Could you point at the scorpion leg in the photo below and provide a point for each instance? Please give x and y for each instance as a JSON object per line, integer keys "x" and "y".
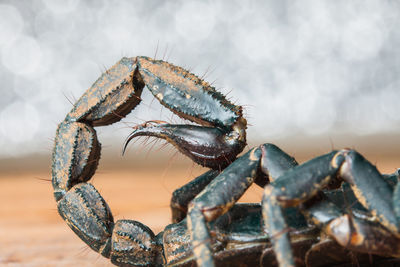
{"x": 370, "y": 188}
{"x": 274, "y": 163}
{"x": 304, "y": 181}
{"x": 292, "y": 188}
{"x": 362, "y": 234}
{"x": 271, "y": 167}
{"x": 217, "y": 198}
{"x": 259, "y": 164}
{"x": 183, "y": 195}
{"x": 356, "y": 231}
{"x": 396, "y": 193}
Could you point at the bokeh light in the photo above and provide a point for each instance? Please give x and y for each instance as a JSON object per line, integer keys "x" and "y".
{"x": 11, "y": 24}
{"x": 195, "y": 20}
{"x": 23, "y": 56}
{"x": 19, "y": 122}
{"x": 311, "y": 68}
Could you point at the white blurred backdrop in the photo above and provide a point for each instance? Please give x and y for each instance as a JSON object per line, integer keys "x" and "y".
{"x": 311, "y": 68}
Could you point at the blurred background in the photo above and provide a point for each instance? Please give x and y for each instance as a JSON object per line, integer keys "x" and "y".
{"x": 312, "y": 76}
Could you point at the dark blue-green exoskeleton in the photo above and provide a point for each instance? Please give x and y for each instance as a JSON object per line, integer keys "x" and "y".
{"x": 305, "y": 212}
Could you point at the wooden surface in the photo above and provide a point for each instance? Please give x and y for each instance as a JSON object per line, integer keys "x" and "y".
{"x": 33, "y": 234}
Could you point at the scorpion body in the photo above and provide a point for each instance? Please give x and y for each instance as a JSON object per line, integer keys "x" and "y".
{"x": 299, "y": 220}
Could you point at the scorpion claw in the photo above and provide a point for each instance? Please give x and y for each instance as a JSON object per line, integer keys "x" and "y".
{"x": 207, "y": 146}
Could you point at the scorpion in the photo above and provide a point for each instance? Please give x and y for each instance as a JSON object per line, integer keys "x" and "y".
{"x": 303, "y": 215}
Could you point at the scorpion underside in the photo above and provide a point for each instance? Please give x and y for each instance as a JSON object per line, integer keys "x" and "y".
{"x": 303, "y": 219}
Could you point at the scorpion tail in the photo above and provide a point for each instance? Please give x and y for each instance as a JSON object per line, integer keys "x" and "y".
{"x": 126, "y": 242}
{"x": 133, "y": 244}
